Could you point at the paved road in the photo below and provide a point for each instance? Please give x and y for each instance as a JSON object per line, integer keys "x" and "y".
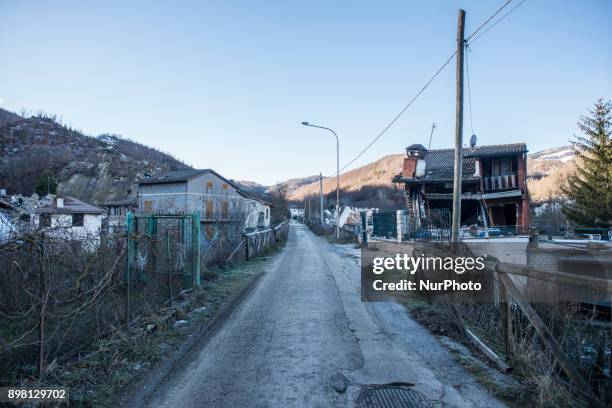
{"x": 304, "y": 323}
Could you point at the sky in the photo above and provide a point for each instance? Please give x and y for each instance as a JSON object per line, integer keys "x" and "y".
{"x": 226, "y": 84}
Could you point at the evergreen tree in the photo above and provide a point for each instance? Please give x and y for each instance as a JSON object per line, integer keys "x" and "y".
{"x": 46, "y": 184}
{"x": 590, "y": 188}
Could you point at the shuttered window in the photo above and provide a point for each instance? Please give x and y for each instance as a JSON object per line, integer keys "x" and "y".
{"x": 224, "y": 209}
{"x": 209, "y": 209}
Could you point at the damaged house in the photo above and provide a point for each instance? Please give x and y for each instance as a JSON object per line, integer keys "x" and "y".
{"x": 493, "y": 192}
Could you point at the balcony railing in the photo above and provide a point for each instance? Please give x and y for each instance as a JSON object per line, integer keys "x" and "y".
{"x": 501, "y": 182}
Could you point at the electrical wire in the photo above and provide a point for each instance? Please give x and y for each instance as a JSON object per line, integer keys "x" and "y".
{"x": 480, "y": 27}
{"x": 497, "y": 22}
{"x": 414, "y": 98}
{"x": 467, "y": 41}
{"x": 467, "y": 71}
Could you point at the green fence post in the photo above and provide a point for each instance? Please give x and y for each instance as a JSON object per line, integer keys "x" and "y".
{"x": 129, "y": 221}
{"x": 195, "y": 242}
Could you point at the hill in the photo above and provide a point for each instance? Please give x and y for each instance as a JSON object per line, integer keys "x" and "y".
{"x": 292, "y": 184}
{"x": 547, "y": 171}
{"x": 367, "y": 185}
{"x": 7, "y": 117}
{"x": 93, "y": 169}
{"x": 371, "y": 184}
{"x": 251, "y": 187}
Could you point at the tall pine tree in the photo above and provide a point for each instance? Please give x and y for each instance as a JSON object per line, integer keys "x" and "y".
{"x": 590, "y": 188}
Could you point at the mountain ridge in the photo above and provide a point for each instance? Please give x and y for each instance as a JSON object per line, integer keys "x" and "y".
{"x": 107, "y": 167}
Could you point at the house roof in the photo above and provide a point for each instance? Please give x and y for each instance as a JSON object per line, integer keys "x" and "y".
{"x": 416, "y": 146}
{"x": 495, "y": 150}
{"x": 130, "y": 201}
{"x": 174, "y": 176}
{"x": 439, "y": 164}
{"x": 180, "y": 176}
{"x": 261, "y": 201}
{"x": 72, "y": 206}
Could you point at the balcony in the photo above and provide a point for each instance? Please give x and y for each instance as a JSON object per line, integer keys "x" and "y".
{"x": 501, "y": 182}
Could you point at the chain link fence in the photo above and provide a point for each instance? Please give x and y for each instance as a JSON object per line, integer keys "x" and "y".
{"x": 61, "y": 292}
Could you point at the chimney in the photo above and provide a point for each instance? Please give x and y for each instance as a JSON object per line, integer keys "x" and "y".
{"x": 409, "y": 167}
{"x": 60, "y": 202}
{"x": 414, "y": 163}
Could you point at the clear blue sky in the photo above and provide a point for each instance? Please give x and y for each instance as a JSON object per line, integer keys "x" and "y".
{"x": 226, "y": 84}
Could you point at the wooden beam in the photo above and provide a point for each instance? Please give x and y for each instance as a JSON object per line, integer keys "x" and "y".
{"x": 549, "y": 275}
{"x": 548, "y": 339}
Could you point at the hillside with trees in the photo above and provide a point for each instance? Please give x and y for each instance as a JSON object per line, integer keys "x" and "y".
{"x": 39, "y": 150}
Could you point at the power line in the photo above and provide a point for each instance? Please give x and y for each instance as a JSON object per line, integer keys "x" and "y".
{"x": 467, "y": 71}
{"x": 496, "y": 22}
{"x": 466, "y": 41}
{"x": 401, "y": 112}
{"x": 487, "y": 21}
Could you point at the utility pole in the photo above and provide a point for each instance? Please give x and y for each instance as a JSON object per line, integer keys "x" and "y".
{"x": 457, "y": 177}
{"x": 309, "y": 213}
{"x": 337, "y": 175}
{"x": 321, "y": 196}
{"x": 337, "y": 187}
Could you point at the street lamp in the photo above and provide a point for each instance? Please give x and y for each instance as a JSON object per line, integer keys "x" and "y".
{"x": 337, "y": 176}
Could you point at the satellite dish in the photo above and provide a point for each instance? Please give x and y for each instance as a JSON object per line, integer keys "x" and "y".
{"x": 473, "y": 141}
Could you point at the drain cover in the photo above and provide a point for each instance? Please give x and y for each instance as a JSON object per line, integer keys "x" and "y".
{"x": 392, "y": 397}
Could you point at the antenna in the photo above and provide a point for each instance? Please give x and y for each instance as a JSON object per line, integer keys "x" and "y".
{"x": 473, "y": 141}
{"x": 433, "y": 126}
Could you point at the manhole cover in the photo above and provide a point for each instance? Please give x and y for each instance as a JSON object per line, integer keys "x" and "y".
{"x": 392, "y": 397}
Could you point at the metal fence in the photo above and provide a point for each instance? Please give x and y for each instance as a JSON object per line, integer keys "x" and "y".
{"x": 60, "y": 293}
{"x": 384, "y": 224}
{"x": 401, "y": 225}
{"x": 162, "y": 259}
{"x": 435, "y": 227}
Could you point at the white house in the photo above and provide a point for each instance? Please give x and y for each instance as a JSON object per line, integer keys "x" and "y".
{"x": 296, "y": 212}
{"x": 7, "y": 224}
{"x": 258, "y": 215}
{"x": 68, "y": 216}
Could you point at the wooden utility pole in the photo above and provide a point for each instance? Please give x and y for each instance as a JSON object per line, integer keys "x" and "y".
{"x": 457, "y": 177}
{"x": 321, "y": 196}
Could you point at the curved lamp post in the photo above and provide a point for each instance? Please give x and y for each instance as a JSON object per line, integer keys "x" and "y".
{"x": 337, "y": 176}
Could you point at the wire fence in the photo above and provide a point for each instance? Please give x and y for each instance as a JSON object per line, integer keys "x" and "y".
{"x": 61, "y": 292}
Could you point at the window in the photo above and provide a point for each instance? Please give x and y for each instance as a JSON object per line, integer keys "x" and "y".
{"x": 209, "y": 209}
{"x": 224, "y": 187}
{"x": 210, "y": 232}
{"x": 148, "y": 206}
{"x": 44, "y": 220}
{"x": 267, "y": 213}
{"x": 78, "y": 220}
{"x": 225, "y": 209}
{"x": 209, "y": 186}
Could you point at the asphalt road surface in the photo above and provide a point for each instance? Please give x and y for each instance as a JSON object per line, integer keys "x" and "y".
{"x": 303, "y": 324}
